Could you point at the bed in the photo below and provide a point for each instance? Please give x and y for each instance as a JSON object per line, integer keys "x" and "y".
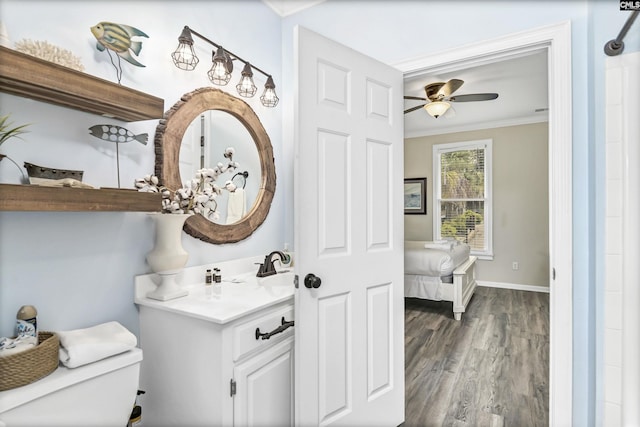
{"x": 440, "y": 271}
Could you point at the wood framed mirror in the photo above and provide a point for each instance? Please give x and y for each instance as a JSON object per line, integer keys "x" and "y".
{"x": 168, "y": 139}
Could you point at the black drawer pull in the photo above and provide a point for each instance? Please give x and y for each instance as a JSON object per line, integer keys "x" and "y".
{"x": 284, "y": 326}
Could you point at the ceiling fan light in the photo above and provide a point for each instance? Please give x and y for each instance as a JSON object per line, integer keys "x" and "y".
{"x": 437, "y": 108}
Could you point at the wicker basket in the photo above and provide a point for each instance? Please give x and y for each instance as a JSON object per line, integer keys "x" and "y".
{"x": 30, "y": 365}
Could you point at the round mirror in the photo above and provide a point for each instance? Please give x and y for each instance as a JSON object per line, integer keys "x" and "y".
{"x": 203, "y": 146}
{"x": 168, "y": 141}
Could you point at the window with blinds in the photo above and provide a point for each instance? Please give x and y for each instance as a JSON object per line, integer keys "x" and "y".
{"x": 462, "y": 195}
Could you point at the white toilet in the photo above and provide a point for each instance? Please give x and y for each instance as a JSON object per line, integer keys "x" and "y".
{"x": 98, "y": 394}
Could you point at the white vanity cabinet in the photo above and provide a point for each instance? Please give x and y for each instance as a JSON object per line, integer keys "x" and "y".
{"x": 203, "y": 365}
{"x": 264, "y": 388}
{"x": 197, "y": 372}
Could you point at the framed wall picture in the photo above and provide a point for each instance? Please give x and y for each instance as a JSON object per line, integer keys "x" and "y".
{"x": 415, "y": 196}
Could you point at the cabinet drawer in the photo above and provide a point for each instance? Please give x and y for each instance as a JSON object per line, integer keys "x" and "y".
{"x": 244, "y": 334}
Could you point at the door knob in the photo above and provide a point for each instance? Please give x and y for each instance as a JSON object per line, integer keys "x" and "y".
{"x": 312, "y": 281}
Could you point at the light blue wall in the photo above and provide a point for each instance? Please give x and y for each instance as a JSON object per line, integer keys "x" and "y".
{"x": 78, "y": 268}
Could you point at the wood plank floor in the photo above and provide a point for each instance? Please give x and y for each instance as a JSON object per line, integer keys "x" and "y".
{"x": 489, "y": 369}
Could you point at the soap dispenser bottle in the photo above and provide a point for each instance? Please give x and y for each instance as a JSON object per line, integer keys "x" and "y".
{"x": 217, "y": 283}
{"x": 208, "y": 283}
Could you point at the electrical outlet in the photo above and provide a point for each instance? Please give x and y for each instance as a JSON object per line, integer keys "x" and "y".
{"x": 515, "y": 265}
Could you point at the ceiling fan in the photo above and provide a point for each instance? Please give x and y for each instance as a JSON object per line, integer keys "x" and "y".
{"x": 439, "y": 96}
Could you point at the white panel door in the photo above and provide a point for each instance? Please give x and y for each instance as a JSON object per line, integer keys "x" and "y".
{"x": 349, "y": 234}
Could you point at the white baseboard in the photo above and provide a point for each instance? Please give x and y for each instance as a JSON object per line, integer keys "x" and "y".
{"x": 513, "y": 286}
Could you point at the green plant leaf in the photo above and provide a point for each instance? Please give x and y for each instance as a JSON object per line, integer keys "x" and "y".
{"x": 7, "y": 131}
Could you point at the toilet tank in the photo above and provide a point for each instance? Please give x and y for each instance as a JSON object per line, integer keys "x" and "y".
{"x": 98, "y": 394}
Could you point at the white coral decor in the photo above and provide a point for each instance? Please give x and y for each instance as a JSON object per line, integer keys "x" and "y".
{"x": 49, "y": 52}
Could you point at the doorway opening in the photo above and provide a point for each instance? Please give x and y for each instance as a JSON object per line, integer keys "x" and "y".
{"x": 556, "y": 40}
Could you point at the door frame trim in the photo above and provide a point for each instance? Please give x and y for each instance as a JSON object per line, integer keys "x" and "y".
{"x": 556, "y": 39}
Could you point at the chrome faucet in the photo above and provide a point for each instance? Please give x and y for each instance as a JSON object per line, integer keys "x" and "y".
{"x": 267, "y": 268}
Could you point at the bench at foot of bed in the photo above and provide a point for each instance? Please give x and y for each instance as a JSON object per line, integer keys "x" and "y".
{"x": 464, "y": 284}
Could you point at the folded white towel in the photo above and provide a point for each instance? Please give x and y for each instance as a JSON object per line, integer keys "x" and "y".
{"x": 236, "y": 207}
{"x": 81, "y": 346}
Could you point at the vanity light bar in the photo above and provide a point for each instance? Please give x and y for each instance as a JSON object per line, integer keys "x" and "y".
{"x": 185, "y": 58}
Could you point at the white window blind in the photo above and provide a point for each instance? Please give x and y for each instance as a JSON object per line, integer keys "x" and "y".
{"x": 462, "y": 196}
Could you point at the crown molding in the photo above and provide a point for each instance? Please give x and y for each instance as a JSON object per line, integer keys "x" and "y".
{"x": 538, "y": 118}
{"x": 289, "y": 7}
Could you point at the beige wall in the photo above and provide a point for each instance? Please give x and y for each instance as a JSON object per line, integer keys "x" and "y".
{"x": 520, "y": 206}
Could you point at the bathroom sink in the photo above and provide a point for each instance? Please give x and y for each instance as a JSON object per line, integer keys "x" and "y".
{"x": 240, "y": 290}
{"x": 284, "y": 278}
{"x": 239, "y": 293}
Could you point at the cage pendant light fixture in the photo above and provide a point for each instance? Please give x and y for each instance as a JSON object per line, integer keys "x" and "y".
{"x": 246, "y": 87}
{"x": 269, "y": 97}
{"x": 220, "y": 72}
{"x": 185, "y": 58}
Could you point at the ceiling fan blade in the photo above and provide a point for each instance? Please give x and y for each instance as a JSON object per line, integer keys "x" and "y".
{"x": 414, "y": 108}
{"x": 416, "y": 98}
{"x": 432, "y": 89}
{"x": 449, "y": 87}
{"x": 473, "y": 97}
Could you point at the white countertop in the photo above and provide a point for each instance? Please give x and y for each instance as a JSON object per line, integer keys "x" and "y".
{"x": 239, "y": 293}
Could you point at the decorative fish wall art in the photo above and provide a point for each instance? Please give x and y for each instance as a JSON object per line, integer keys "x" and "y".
{"x": 117, "y": 38}
{"x": 117, "y": 134}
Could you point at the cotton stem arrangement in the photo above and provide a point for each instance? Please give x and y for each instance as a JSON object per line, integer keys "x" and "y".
{"x": 197, "y": 195}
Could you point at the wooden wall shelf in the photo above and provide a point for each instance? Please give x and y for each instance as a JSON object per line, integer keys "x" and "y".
{"x": 30, "y": 77}
{"x": 34, "y": 78}
{"x": 65, "y": 199}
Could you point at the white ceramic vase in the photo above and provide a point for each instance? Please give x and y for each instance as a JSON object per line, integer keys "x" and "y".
{"x": 168, "y": 257}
